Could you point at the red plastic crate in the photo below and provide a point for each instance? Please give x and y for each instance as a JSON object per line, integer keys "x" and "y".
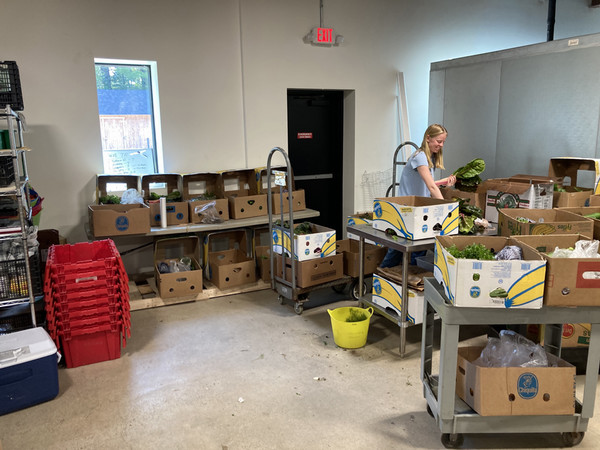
{"x": 53, "y": 318}
{"x": 96, "y": 256}
{"x": 72, "y": 255}
{"x": 92, "y": 345}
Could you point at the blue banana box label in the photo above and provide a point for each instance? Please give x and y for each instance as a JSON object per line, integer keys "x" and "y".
{"x": 489, "y": 284}
{"x": 388, "y": 296}
{"x": 415, "y": 217}
{"x": 317, "y": 244}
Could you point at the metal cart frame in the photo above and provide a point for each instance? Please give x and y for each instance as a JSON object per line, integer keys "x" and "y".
{"x": 395, "y": 164}
{"x": 288, "y": 289}
{"x": 453, "y": 416}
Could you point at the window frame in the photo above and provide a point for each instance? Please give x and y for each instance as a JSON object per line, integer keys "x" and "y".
{"x": 156, "y": 121}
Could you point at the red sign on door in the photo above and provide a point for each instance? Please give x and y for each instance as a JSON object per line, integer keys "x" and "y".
{"x": 305, "y": 135}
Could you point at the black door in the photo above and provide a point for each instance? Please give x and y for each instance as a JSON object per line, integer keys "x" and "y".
{"x": 315, "y": 138}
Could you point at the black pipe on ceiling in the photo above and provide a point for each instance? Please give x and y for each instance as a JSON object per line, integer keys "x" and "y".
{"x": 551, "y": 17}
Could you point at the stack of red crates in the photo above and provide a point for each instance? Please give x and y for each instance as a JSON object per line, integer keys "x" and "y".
{"x": 86, "y": 293}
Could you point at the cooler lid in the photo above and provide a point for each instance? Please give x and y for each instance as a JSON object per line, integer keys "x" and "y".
{"x": 24, "y": 346}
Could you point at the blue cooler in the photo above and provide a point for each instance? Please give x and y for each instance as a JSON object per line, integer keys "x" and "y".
{"x": 28, "y": 369}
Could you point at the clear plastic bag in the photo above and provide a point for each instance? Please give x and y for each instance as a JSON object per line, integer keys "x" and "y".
{"x": 132, "y": 196}
{"x": 583, "y": 249}
{"x": 208, "y": 212}
{"x": 512, "y": 350}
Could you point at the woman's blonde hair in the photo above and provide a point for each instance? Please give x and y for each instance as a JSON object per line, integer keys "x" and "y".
{"x": 433, "y": 130}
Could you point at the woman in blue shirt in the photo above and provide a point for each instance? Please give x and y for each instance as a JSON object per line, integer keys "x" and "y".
{"x": 417, "y": 177}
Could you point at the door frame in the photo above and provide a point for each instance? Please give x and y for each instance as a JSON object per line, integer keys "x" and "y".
{"x": 348, "y": 150}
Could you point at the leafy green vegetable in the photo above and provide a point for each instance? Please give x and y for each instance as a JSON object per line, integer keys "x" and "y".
{"x": 465, "y": 207}
{"x": 110, "y": 200}
{"x": 466, "y": 224}
{"x": 471, "y": 169}
{"x": 471, "y": 251}
{"x": 356, "y": 315}
{"x": 303, "y": 228}
{"x": 595, "y": 215}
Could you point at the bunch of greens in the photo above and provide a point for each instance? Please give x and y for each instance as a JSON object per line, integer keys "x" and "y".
{"x": 205, "y": 196}
{"x": 110, "y": 200}
{"x": 467, "y": 214}
{"x": 471, "y": 251}
{"x": 558, "y": 188}
{"x": 303, "y": 228}
{"x": 467, "y": 176}
{"x": 356, "y": 315}
{"x": 174, "y": 196}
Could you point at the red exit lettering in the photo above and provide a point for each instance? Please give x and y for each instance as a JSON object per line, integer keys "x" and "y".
{"x": 325, "y": 35}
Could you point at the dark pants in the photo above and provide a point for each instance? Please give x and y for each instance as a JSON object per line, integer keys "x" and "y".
{"x": 394, "y": 257}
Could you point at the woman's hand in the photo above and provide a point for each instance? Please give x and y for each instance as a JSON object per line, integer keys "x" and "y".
{"x": 448, "y": 181}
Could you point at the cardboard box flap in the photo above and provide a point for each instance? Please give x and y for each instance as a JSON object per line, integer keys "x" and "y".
{"x": 195, "y": 185}
{"x": 235, "y": 183}
{"x": 261, "y": 186}
{"x": 544, "y": 215}
{"x": 226, "y": 240}
{"x": 568, "y": 167}
{"x": 515, "y": 185}
{"x": 119, "y": 184}
{"x": 151, "y": 183}
{"x": 415, "y": 200}
{"x": 175, "y": 248}
{"x": 547, "y": 244}
{"x": 534, "y": 179}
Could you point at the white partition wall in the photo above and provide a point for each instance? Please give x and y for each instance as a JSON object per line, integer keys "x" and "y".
{"x": 520, "y": 107}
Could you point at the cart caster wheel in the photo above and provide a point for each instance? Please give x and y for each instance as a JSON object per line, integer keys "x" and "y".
{"x": 354, "y": 290}
{"x": 298, "y": 308}
{"x": 452, "y": 440}
{"x": 572, "y": 439}
{"x": 429, "y": 411}
{"x": 281, "y": 299}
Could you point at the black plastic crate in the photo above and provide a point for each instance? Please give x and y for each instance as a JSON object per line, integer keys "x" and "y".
{"x": 13, "y": 278}
{"x": 7, "y": 171}
{"x": 10, "y": 86}
{"x": 18, "y": 317}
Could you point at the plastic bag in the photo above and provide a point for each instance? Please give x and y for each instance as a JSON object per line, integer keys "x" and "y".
{"x": 208, "y": 212}
{"x": 512, "y": 350}
{"x": 132, "y": 196}
{"x": 583, "y": 249}
{"x": 510, "y": 252}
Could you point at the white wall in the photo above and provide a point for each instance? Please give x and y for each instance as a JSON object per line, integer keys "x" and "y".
{"x": 224, "y": 68}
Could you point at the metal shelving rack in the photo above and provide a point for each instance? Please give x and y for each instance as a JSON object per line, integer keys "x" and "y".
{"x": 453, "y": 416}
{"x": 18, "y": 189}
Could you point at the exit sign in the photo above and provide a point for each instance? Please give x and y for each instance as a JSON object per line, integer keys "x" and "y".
{"x": 324, "y": 35}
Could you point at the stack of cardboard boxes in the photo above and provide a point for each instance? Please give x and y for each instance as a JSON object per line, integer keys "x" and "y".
{"x": 313, "y": 254}
{"x": 536, "y": 280}
{"x": 231, "y": 194}
{"x": 412, "y": 218}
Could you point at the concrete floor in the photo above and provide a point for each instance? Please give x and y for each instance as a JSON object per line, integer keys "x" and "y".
{"x": 244, "y": 372}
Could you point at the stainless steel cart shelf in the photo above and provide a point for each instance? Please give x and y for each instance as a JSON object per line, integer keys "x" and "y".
{"x": 453, "y": 416}
{"x": 403, "y": 245}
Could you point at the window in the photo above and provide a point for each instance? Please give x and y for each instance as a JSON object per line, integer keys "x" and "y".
{"x": 129, "y": 116}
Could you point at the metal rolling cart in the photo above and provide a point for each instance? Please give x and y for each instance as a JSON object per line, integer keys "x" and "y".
{"x": 403, "y": 245}
{"x": 288, "y": 289}
{"x": 453, "y": 416}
